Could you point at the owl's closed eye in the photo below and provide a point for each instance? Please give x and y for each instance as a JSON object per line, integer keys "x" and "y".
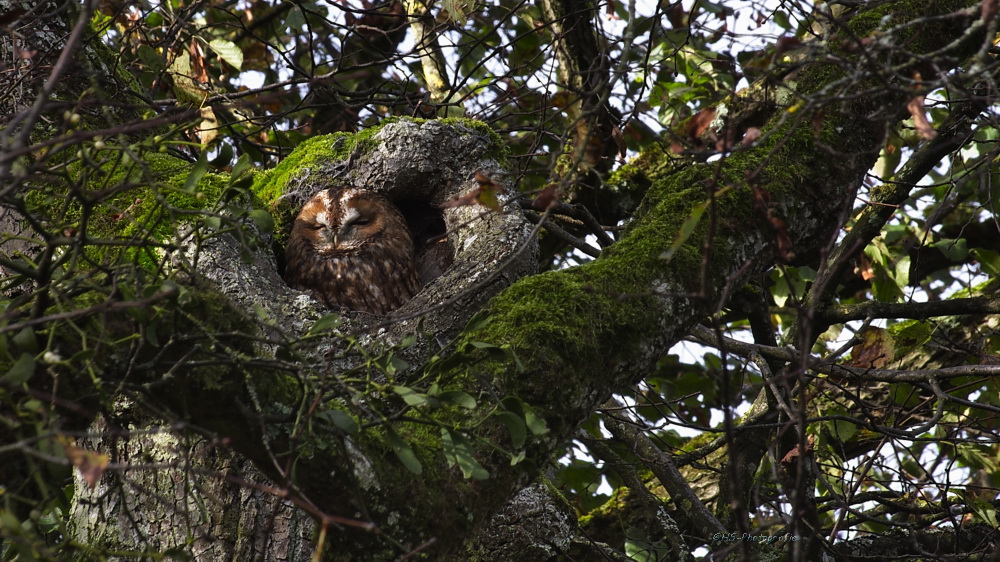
{"x": 351, "y": 248}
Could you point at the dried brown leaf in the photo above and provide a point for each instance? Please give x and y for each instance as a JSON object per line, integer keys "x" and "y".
{"x": 619, "y": 138}
{"x": 199, "y": 73}
{"x": 546, "y": 197}
{"x": 90, "y": 463}
{"x": 917, "y": 109}
{"x": 875, "y": 351}
{"x": 469, "y": 198}
{"x": 795, "y": 453}
{"x": 865, "y": 269}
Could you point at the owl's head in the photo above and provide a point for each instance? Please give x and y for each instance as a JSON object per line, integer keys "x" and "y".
{"x": 346, "y": 219}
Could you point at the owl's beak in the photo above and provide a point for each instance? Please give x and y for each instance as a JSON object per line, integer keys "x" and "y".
{"x": 329, "y": 236}
{"x": 340, "y": 234}
{"x": 343, "y": 233}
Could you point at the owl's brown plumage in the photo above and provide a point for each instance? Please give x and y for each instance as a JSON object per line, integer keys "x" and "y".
{"x": 352, "y": 248}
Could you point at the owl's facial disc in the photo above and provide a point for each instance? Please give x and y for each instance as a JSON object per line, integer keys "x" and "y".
{"x": 356, "y": 226}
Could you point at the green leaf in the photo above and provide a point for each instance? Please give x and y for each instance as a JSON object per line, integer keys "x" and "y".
{"x": 198, "y": 171}
{"x": 884, "y": 286}
{"x": 518, "y": 365}
{"x": 780, "y": 291}
{"x": 404, "y": 453}
{"x": 843, "y": 430}
{"x": 878, "y": 252}
{"x": 790, "y": 282}
{"x": 513, "y": 404}
{"x": 410, "y": 396}
{"x": 22, "y": 370}
{"x": 975, "y": 456}
{"x": 535, "y": 423}
{"x": 515, "y": 426}
{"x": 341, "y": 419}
{"x": 686, "y": 230}
{"x": 988, "y": 260}
{"x": 910, "y": 335}
{"x": 954, "y": 250}
{"x": 477, "y": 322}
{"x": 227, "y": 51}
{"x": 902, "y": 272}
{"x": 458, "y": 450}
{"x": 295, "y": 21}
{"x": 328, "y": 322}
{"x": 459, "y": 398}
{"x": 396, "y": 365}
{"x": 781, "y": 19}
{"x": 517, "y": 458}
{"x": 26, "y": 341}
{"x": 241, "y": 166}
{"x": 689, "y": 225}
{"x": 263, "y": 220}
{"x": 82, "y": 355}
{"x": 151, "y": 58}
{"x": 151, "y": 336}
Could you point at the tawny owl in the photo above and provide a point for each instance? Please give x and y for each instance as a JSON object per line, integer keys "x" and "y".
{"x": 350, "y": 247}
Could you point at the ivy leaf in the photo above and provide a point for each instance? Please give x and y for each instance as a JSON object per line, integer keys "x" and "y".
{"x": 910, "y": 335}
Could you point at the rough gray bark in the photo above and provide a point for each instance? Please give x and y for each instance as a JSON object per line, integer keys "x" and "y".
{"x": 188, "y": 494}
